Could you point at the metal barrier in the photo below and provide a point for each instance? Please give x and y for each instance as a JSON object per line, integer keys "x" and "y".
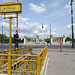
{"x": 23, "y": 63}
{"x": 22, "y": 50}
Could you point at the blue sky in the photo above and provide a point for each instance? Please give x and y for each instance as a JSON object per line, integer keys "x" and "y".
{"x": 36, "y": 12}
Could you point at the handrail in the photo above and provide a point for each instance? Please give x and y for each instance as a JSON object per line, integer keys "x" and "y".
{"x": 24, "y": 63}
{"x": 16, "y": 50}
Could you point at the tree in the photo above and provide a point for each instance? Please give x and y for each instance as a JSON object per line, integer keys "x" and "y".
{"x": 4, "y": 38}
{"x": 19, "y": 40}
{"x": 67, "y": 39}
{"x": 22, "y": 40}
{"x": 12, "y": 40}
{"x": 37, "y": 36}
{"x": 47, "y": 40}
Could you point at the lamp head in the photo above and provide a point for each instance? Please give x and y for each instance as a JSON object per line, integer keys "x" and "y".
{"x": 70, "y": 3}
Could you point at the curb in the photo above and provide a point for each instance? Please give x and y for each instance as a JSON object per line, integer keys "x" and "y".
{"x": 44, "y": 67}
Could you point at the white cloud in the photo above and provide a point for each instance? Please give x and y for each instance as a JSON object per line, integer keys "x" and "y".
{"x": 4, "y": 24}
{"x": 53, "y": 33}
{"x": 48, "y": 32}
{"x": 42, "y": 5}
{"x": 37, "y": 9}
{"x": 54, "y": 29}
{"x": 23, "y": 20}
{"x": 27, "y": 35}
{"x": 68, "y": 6}
{"x": 36, "y": 32}
{"x": 7, "y": 0}
{"x": 55, "y": 4}
{"x": 69, "y": 26}
{"x": 22, "y": 34}
{"x": 26, "y": 28}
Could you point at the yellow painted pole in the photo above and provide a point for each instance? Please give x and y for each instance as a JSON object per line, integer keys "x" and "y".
{"x": 38, "y": 64}
{"x": 10, "y": 36}
{"x": 9, "y": 55}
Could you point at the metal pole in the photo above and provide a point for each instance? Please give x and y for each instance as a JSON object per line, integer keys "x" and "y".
{"x": 10, "y": 36}
{"x": 47, "y": 41}
{"x": 42, "y": 34}
{"x": 2, "y": 35}
{"x": 50, "y": 33}
{"x": 16, "y": 42}
{"x": 9, "y": 55}
{"x": 17, "y": 20}
{"x": 60, "y": 44}
{"x": 72, "y": 23}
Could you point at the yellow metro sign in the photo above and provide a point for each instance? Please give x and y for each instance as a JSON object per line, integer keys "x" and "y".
{"x": 11, "y": 7}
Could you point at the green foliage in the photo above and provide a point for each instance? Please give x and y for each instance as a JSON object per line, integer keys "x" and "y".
{"x": 19, "y": 40}
{"x": 67, "y": 39}
{"x": 22, "y": 40}
{"x": 40, "y": 40}
{"x": 12, "y": 40}
{"x": 37, "y": 36}
{"x": 47, "y": 40}
{"x": 4, "y": 38}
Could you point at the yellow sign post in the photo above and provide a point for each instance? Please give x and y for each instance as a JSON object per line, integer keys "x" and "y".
{"x": 7, "y": 8}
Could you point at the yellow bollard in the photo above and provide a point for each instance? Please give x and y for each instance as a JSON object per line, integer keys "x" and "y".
{"x": 22, "y": 50}
{"x": 30, "y": 48}
{"x": 5, "y": 53}
{"x": 16, "y": 50}
{"x": 5, "y": 57}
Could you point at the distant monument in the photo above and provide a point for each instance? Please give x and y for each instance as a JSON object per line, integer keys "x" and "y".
{"x": 42, "y": 34}
{"x": 31, "y": 40}
{"x": 57, "y": 39}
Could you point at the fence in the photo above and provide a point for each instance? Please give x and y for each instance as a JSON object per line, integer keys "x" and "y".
{"x": 22, "y": 50}
{"x": 23, "y": 63}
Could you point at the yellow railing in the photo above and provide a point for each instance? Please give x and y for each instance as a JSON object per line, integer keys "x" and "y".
{"x": 23, "y": 63}
{"x": 21, "y": 50}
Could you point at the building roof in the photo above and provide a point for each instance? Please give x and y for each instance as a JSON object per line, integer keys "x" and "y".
{"x": 32, "y": 38}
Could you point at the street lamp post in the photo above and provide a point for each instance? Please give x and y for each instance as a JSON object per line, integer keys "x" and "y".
{"x": 16, "y": 41}
{"x": 72, "y": 22}
{"x": 2, "y": 35}
{"x": 42, "y": 34}
{"x": 50, "y": 33}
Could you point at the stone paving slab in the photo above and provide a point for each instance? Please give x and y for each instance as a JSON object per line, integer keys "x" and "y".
{"x": 61, "y": 63}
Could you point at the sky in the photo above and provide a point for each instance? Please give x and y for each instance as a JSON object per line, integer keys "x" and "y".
{"x": 37, "y": 12}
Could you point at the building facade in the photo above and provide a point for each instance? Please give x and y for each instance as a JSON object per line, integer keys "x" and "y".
{"x": 57, "y": 39}
{"x": 31, "y": 40}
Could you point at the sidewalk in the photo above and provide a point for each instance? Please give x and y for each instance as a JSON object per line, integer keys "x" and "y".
{"x": 61, "y": 63}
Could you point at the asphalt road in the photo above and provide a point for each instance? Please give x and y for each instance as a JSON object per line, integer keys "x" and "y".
{"x": 56, "y": 46}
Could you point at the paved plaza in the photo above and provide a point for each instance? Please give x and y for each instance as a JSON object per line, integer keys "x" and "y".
{"x": 59, "y": 63}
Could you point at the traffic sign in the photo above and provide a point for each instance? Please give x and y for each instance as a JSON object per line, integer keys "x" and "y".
{"x": 16, "y": 28}
{"x": 11, "y": 7}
